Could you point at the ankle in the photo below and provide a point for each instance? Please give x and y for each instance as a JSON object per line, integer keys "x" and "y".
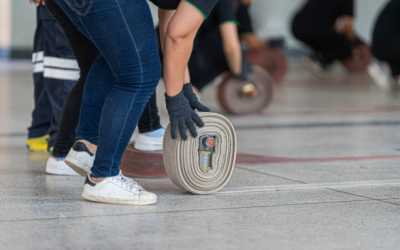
{"x": 96, "y": 179}
{"x": 91, "y": 146}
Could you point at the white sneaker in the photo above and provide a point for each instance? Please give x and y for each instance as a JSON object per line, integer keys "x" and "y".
{"x": 150, "y": 142}
{"x": 80, "y": 158}
{"x": 117, "y": 190}
{"x": 381, "y": 76}
{"x": 315, "y": 67}
{"x": 58, "y": 166}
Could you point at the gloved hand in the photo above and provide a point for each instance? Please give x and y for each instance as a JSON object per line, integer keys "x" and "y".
{"x": 246, "y": 69}
{"x": 180, "y": 115}
{"x": 192, "y": 98}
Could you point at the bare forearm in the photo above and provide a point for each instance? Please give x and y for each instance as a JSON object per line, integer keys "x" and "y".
{"x": 234, "y": 59}
{"x": 231, "y": 45}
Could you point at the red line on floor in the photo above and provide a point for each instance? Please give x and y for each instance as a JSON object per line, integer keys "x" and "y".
{"x": 332, "y": 112}
{"x": 250, "y": 159}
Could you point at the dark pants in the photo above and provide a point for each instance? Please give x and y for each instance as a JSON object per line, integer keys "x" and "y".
{"x": 328, "y": 45}
{"x": 386, "y": 43}
{"x": 122, "y": 78}
{"x": 55, "y": 72}
{"x": 86, "y": 53}
{"x": 207, "y": 60}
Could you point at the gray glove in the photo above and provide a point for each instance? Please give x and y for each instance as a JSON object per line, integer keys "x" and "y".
{"x": 192, "y": 98}
{"x": 181, "y": 114}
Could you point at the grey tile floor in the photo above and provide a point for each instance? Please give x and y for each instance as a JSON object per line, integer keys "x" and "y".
{"x": 341, "y": 117}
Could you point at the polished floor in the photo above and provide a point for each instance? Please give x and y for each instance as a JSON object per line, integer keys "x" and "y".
{"x": 323, "y": 133}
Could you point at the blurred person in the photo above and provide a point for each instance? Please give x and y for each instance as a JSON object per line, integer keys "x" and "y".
{"x": 55, "y": 71}
{"x": 109, "y": 116}
{"x": 316, "y": 25}
{"x": 246, "y": 31}
{"x": 386, "y": 48}
{"x": 217, "y": 47}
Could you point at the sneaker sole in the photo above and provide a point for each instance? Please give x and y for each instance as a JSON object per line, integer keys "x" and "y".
{"x": 116, "y": 201}
{"x": 58, "y": 172}
{"x": 78, "y": 166}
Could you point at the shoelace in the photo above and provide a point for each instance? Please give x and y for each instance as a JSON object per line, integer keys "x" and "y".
{"x": 129, "y": 183}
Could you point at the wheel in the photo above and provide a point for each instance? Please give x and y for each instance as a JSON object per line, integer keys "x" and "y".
{"x": 246, "y": 97}
{"x": 272, "y": 60}
{"x": 360, "y": 59}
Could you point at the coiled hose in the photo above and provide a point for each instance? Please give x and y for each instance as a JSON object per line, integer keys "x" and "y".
{"x": 181, "y": 158}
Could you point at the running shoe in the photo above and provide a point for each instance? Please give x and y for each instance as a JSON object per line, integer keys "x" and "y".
{"x": 381, "y": 76}
{"x": 80, "y": 158}
{"x": 117, "y": 190}
{"x": 315, "y": 66}
{"x": 58, "y": 167}
{"x": 150, "y": 142}
{"x": 38, "y": 144}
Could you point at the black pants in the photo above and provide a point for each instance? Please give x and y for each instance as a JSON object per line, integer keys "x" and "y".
{"x": 386, "y": 41}
{"x": 54, "y": 74}
{"x": 85, "y": 53}
{"x": 323, "y": 40}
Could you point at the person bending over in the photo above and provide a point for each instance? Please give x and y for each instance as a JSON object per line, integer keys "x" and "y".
{"x": 386, "y": 48}
{"x": 316, "y": 25}
{"x": 217, "y": 47}
{"x": 125, "y": 38}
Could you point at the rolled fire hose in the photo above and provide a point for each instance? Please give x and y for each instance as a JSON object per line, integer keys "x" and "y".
{"x": 202, "y": 165}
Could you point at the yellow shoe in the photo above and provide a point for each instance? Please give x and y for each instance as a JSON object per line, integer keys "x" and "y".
{"x": 38, "y": 144}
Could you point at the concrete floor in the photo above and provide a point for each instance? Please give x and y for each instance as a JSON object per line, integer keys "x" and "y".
{"x": 341, "y": 129}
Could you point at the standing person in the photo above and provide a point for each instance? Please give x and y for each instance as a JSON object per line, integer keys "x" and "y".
{"x": 55, "y": 72}
{"x": 386, "y": 48}
{"x": 315, "y": 25}
{"x": 125, "y": 38}
{"x": 151, "y": 131}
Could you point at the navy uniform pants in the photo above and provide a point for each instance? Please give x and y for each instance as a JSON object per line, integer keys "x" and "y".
{"x": 55, "y": 72}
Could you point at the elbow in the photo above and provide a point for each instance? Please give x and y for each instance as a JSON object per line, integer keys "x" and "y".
{"x": 176, "y": 37}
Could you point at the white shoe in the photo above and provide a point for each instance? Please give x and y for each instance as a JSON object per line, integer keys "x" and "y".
{"x": 80, "y": 158}
{"x": 381, "y": 76}
{"x": 150, "y": 142}
{"x": 58, "y": 166}
{"x": 117, "y": 190}
{"x": 315, "y": 67}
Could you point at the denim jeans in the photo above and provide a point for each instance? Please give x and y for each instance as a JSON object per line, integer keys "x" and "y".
{"x": 121, "y": 79}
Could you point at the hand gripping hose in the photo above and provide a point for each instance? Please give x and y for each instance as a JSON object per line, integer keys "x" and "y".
{"x": 182, "y": 158}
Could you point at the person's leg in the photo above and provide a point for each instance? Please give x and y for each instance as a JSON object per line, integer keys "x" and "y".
{"x": 61, "y": 72}
{"x": 151, "y": 133}
{"x": 334, "y": 46}
{"x": 41, "y": 114}
{"x": 136, "y": 69}
{"x": 85, "y": 53}
{"x": 150, "y": 120}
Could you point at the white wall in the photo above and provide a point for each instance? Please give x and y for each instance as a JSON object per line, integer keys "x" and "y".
{"x": 272, "y": 18}
{"x": 23, "y": 24}
{"x": 5, "y": 24}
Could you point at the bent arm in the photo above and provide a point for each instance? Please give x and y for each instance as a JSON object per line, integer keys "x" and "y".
{"x": 179, "y": 38}
{"x": 349, "y": 27}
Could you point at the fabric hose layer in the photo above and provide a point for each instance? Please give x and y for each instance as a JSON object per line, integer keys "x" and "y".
{"x": 181, "y": 158}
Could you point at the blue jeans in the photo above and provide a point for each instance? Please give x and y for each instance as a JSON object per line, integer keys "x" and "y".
{"x": 122, "y": 78}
